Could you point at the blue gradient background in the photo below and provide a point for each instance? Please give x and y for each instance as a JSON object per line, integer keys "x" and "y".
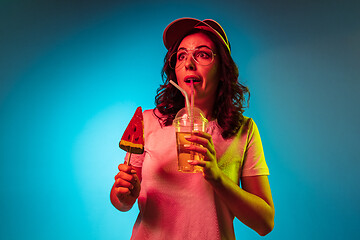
{"x": 73, "y": 72}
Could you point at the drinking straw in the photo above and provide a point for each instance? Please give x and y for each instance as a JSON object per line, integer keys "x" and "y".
{"x": 192, "y": 106}
{"x": 186, "y": 96}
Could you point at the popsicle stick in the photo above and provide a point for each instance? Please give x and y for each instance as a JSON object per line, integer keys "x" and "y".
{"x": 132, "y": 140}
{"x": 129, "y": 157}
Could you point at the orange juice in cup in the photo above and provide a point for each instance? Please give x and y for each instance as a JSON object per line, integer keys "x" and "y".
{"x": 184, "y": 126}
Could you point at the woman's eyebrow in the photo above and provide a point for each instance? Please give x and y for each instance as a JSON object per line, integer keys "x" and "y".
{"x": 182, "y": 48}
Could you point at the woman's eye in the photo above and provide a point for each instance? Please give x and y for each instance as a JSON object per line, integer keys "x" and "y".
{"x": 181, "y": 56}
{"x": 202, "y": 54}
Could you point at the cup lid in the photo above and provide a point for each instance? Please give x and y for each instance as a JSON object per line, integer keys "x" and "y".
{"x": 183, "y": 114}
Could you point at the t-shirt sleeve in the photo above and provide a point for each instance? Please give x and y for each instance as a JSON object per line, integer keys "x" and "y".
{"x": 254, "y": 160}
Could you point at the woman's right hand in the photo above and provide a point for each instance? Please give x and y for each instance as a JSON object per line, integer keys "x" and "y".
{"x": 126, "y": 188}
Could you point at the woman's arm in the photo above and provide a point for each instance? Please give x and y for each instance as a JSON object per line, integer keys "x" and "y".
{"x": 252, "y": 204}
{"x": 126, "y": 188}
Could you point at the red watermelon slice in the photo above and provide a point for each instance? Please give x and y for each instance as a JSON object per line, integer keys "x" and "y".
{"x": 132, "y": 140}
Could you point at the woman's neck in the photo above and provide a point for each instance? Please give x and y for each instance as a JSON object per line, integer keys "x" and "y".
{"x": 206, "y": 109}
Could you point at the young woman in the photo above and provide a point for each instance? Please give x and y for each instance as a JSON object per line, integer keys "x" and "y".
{"x": 234, "y": 183}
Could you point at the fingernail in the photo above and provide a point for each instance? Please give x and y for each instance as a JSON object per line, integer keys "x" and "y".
{"x": 187, "y": 145}
{"x": 190, "y": 161}
{"x": 187, "y": 136}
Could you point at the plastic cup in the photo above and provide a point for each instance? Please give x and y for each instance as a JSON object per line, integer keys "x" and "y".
{"x": 184, "y": 126}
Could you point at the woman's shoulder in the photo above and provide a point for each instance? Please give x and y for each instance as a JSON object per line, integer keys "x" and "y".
{"x": 152, "y": 117}
{"x": 151, "y": 114}
{"x": 247, "y": 126}
{"x": 247, "y": 121}
{"x": 148, "y": 112}
{"x": 152, "y": 122}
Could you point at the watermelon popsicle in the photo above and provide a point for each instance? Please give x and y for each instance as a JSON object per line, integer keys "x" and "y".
{"x": 132, "y": 140}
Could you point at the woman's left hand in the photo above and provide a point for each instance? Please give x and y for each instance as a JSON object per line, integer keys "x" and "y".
{"x": 211, "y": 170}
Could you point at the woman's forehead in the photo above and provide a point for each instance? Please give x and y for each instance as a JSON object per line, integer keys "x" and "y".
{"x": 195, "y": 40}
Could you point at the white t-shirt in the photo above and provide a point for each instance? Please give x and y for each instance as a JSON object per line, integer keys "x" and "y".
{"x": 175, "y": 205}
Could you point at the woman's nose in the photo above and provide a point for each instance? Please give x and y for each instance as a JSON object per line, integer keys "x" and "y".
{"x": 190, "y": 62}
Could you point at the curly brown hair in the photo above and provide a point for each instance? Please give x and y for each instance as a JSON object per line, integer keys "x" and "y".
{"x": 231, "y": 99}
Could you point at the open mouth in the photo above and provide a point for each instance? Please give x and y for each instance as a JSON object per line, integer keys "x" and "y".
{"x": 193, "y": 79}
